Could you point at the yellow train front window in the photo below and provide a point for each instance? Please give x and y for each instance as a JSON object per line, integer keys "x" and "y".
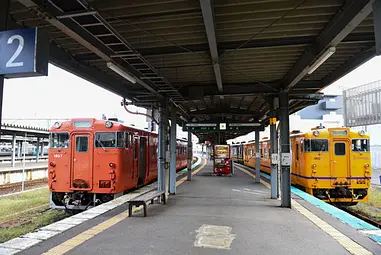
{"x": 315, "y": 145}
{"x": 360, "y": 145}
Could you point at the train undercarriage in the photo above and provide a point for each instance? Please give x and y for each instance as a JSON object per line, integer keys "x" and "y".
{"x": 79, "y": 200}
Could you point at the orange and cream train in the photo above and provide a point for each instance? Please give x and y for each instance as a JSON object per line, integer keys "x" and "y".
{"x": 94, "y": 161}
{"x": 332, "y": 164}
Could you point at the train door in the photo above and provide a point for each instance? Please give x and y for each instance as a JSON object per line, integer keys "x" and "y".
{"x": 142, "y": 160}
{"x": 339, "y": 161}
{"x": 81, "y": 176}
{"x": 135, "y": 161}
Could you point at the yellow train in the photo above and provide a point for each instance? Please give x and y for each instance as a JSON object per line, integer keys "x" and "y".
{"x": 332, "y": 164}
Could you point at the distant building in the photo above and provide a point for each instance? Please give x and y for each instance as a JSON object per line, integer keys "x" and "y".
{"x": 328, "y": 112}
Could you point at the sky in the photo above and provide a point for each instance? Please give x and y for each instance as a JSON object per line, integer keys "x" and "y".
{"x": 61, "y": 95}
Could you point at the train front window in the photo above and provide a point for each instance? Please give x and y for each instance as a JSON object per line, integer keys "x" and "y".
{"x": 81, "y": 143}
{"x": 59, "y": 140}
{"x": 109, "y": 139}
{"x": 360, "y": 145}
{"x": 339, "y": 149}
{"x": 316, "y": 145}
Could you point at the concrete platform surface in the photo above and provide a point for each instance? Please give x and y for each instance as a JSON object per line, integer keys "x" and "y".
{"x": 211, "y": 215}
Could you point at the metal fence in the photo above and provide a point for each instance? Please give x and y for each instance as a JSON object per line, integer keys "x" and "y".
{"x": 362, "y": 105}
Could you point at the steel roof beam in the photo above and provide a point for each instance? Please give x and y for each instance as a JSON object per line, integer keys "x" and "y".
{"x": 247, "y": 89}
{"x": 347, "y": 19}
{"x": 64, "y": 60}
{"x": 349, "y": 65}
{"x": 207, "y": 9}
{"x": 76, "y": 32}
{"x": 224, "y": 46}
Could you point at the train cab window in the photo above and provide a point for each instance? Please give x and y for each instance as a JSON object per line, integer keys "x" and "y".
{"x": 59, "y": 140}
{"x": 81, "y": 143}
{"x": 316, "y": 145}
{"x": 360, "y": 145}
{"x": 339, "y": 149}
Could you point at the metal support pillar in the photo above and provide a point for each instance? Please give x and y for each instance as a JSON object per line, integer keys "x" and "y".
{"x": 38, "y": 149}
{"x": 13, "y": 160}
{"x": 274, "y": 152}
{"x": 377, "y": 25}
{"x": 23, "y": 164}
{"x": 257, "y": 158}
{"x": 161, "y": 179}
{"x": 19, "y": 145}
{"x": 4, "y": 15}
{"x": 189, "y": 166}
{"x": 285, "y": 150}
{"x": 172, "y": 174}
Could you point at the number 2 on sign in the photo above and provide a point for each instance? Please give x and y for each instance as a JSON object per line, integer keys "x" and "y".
{"x": 10, "y": 62}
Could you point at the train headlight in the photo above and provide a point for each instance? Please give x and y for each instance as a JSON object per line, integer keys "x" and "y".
{"x": 362, "y": 132}
{"x": 112, "y": 165}
{"x": 316, "y": 133}
{"x": 52, "y": 164}
{"x": 366, "y": 165}
{"x": 57, "y": 125}
{"x": 108, "y": 124}
{"x": 313, "y": 166}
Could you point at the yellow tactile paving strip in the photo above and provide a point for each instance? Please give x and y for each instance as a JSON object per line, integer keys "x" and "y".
{"x": 350, "y": 245}
{"x": 84, "y": 236}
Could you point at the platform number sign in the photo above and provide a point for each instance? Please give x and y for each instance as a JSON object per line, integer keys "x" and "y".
{"x": 24, "y": 52}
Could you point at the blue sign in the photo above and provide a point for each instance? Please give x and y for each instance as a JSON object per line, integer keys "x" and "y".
{"x": 23, "y": 52}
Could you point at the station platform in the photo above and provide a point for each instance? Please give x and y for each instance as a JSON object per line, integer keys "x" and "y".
{"x": 213, "y": 215}
{"x": 6, "y": 167}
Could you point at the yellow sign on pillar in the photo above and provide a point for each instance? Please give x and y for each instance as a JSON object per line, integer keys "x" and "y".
{"x": 272, "y": 121}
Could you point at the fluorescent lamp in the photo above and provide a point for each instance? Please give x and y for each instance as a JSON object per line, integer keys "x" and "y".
{"x": 122, "y": 73}
{"x": 322, "y": 59}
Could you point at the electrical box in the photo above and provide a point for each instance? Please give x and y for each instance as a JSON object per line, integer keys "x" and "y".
{"x": 286, "y": 159}
{"x": 168, "y": 156}
{"x": 275, "y": 159}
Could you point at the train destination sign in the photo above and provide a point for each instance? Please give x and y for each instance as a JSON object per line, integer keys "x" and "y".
{"x": 24, "y": 52}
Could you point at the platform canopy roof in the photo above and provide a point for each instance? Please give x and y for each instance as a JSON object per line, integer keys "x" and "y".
{"x": 216, "y": 60}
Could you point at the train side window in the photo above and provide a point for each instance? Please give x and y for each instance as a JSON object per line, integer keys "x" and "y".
{"x": 339, "y": 149}
{"x": 127, "y": 139}
{"x": 135, "y": 148}
{"x": 119, "y": 139}
{"x": 302, "y": 145}
{"x": 297, "y": 151}
{"x": 81, "y": 143}
{"x": 153, "y": 149}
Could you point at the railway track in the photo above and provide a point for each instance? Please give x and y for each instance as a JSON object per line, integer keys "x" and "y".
{"x": 361, "y": 216}
{"x": 16, "y": 187}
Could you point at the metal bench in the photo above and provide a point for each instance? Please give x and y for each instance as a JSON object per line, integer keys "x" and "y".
{"x": 144, "y": 199}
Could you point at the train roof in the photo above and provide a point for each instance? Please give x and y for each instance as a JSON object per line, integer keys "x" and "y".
{"x": 115, "y": 124}
{"x": 323, "y": 133}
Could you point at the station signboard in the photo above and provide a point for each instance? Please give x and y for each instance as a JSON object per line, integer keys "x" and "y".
{"x": 24, "y": 52}
{"x": 222, "y": 127}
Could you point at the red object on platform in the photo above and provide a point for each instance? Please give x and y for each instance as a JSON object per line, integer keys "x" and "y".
{"x": 222, "y": 160}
